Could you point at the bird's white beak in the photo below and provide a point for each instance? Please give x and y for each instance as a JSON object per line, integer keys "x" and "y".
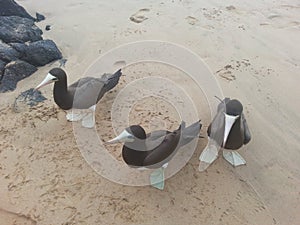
{"x": 48, "y": 80}
{"x": 229, "y": 121}
{"x": 123, "y": 137}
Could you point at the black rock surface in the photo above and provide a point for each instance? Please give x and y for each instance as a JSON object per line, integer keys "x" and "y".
{"x": 22, "y": 47}
{"x": 7, "y": 53}
{"x": 48, "y": 27}
{"x": 38, "y": 53}
{"x": 13, "y": 73}
{"x": 2, "y": 65}
{"x": 18, "y": 29}
{"x": 11, "y": 8}
{"x": 30, "y": 97}
{"x": 39, "y": 17}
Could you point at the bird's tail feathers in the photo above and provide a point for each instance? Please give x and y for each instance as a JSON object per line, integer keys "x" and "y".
{"x": 189, "y": 133}
{"x": 113, "y": 80}
{"x": 182, "y": 126}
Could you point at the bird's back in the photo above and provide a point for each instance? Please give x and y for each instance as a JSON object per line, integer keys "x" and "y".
{"x": 88, "y": 91}
{"x": 153, "y": 155}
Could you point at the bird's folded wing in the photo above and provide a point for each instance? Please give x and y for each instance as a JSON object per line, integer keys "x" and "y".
{"x": 222, "y": 105}
{"x": 88, "y": 91}
{"x": 155, "y": 138}
{"x": 165, "y": 150}
{"x": 81, "y": 81}
{"x": 247, "y": 133}
{"x": 216, "y": 128}
{"x": 157, "y": 134}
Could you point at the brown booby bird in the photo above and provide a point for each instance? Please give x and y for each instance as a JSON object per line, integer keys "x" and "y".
{"x": 83, "y": 94}
{"x": 156, "y": 149}
{"x": 229, "y": 130}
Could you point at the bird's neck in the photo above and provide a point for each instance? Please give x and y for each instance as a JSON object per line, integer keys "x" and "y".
{"x": 61, "y": 95}
{"x": 61, "y": 86}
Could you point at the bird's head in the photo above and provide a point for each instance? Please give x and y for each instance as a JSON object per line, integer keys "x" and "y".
{"x": 54, "y": 75}
{"x": 234, "y": 107}
{"x": 130, "y": 134}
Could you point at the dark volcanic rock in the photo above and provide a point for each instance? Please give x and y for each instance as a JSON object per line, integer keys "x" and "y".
{"x": 17, "y": 29}
{"x": 11, "y": 8}
{"x": 22, "y": 47}
{"x": 30, "y": 97}
{"x": 38, "y": 53}
{"x": 19, "y": 47}
{"x": 39, "y": 17}
{"x": 48, "y": 27}
{"x": 2, "y": 65}
{"x": 14, "y": 72}
{"x": 7, "y": 53}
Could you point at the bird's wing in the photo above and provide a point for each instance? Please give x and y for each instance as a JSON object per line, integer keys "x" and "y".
{"x": 190, "y": 133}
{"x": 155, "y": 138}
{"x": 247, "y": 133}
{"x": 164, "y": 151}
{"x": 209, "y": 129}
{"x": 217, "y": 122}
{"x": 157, "y": 134}
{"x": 222, "y": 104}
{"x": 216, "y": 129}
{"x": 81, "y": 82}
{"x": 87, "y": 92}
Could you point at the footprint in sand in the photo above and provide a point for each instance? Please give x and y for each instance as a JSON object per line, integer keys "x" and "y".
{"x": 120, "y": 63}
{"x": 231, "y": 7}
{"x": 274, "y": 16}
{"x": 191, "y": 20}
{"x": 293, "y": 24}
{"x": 226, "y": 73}
{"x": 139, "y": 16}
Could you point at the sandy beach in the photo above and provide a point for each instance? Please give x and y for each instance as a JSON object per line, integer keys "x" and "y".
{"x": 251, "y": 49}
